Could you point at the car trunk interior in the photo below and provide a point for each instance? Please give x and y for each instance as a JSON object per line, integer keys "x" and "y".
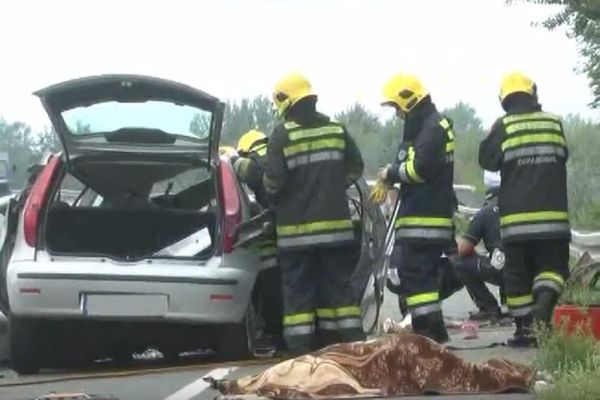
{"x": 133, "y": 209}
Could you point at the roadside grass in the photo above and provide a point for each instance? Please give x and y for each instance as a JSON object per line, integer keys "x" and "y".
{"x": 581, "y": 296}
{"x": 572, "y": 360}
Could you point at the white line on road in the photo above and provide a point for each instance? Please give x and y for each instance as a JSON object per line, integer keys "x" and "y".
{"x": 194, "y": 388}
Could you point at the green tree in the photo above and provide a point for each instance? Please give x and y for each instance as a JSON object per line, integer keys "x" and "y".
{"x": 583, "y": 172}
{"x": 469, "y": 131}
{"x": 367, "y": 131}
{"x": 240, "y": 117}
{"x": 582, "y": 17}
{"x": 19, "y": 142}
{"x": 200, "y": 124}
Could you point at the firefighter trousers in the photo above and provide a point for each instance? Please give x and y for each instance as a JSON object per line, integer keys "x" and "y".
{"x": 475, "y": 271}
{"x": 320, "y": 305}
{"x": 268, "y": 297}
{"x": 534, "y": 276}
{"x": 419, "y": 274}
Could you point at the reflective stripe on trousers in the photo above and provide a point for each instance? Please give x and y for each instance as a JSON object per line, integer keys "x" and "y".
{"x": 424, "y": 303}
{"x": 535, "y": 222}
{"x": 424, "y": 228}
{"x": 347, "y": 317}
{"x": 299, "y": 324}
{"x": 549, "y": 280}
{"x": 268, "y": 254}
{"x": 520, "y": 306}
{"x": 317, "y": 232}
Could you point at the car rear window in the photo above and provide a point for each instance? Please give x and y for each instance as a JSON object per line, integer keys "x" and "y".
{"x": 112, "y": 116}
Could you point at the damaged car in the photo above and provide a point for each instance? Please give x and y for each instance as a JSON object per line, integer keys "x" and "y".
{"x": 138, "y": 234}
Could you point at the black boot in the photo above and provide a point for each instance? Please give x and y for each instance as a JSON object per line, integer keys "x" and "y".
{"x": 431, "y": 325}
{"x": 545, "y": 300}
{"x": 523, "y": 337}
{"x": 492, "y": 314}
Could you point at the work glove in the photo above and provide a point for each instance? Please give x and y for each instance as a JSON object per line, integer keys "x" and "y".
{"x": 379, "y": 192}
{"x": 383, "y": 173}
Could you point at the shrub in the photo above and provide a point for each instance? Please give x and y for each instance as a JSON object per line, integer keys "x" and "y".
{"x": 574, "y": 363}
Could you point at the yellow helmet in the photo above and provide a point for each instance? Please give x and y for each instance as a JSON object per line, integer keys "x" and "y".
{"x": 404, "y": 90}
{"x": 248, "y": 140}
{"x": 290, "y": 90}
{"x": 516, "y": 82}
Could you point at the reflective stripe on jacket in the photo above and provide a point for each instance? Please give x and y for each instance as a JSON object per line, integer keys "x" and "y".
{"x": 531, "y": 150}
{"x": 425, "y": 169}
{"x": 310, "y": 163}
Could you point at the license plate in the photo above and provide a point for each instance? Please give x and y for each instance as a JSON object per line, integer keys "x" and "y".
{"x": 125, "y": 305}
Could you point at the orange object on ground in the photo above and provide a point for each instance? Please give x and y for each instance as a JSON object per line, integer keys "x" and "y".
{"x": 573, "y": 316}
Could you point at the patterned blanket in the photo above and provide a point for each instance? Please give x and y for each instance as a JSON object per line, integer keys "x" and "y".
{"x": 392, "y": 365}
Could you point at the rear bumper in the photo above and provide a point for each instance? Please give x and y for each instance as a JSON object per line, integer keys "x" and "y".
{"x": 207, "y": 294}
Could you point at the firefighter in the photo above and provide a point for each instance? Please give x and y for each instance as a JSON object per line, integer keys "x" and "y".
{"x": 311, "y": 161}
{"x": 424, "y": 227}
{"x": 528, "y": 146}
{"x": 249, "y": 165}
{"x": 473, "y": 269}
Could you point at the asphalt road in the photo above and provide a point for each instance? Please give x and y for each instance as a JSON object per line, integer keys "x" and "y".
{"x": 185, "y": 382}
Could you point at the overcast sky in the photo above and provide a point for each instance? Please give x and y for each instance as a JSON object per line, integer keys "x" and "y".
{"x": 236, "y": 48}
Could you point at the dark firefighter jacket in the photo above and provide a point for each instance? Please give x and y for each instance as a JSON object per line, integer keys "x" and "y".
{"x": 528, "y": 146}
{"x": 485, "y": 225}
{"x": 311, "y": 161}
{"x": 425, "y": 168}
{"x": 250, "y": 169}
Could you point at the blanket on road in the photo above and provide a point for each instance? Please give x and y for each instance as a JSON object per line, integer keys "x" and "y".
{"x": 392, "y": 365}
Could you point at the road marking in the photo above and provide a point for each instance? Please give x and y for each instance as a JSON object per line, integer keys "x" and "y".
{"x": 194, "y": 388}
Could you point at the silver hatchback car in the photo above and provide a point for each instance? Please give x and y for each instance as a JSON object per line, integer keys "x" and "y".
{"x": 139, "y": 234}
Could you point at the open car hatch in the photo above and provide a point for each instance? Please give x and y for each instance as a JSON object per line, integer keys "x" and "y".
{"x": 133, "y": 113}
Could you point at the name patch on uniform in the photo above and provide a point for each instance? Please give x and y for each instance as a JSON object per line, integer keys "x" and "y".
{"x": 537, "y": 160}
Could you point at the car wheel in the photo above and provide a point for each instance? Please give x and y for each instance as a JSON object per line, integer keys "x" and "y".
{"x": 237, "y": 340}
{"x": 24, "y": 346}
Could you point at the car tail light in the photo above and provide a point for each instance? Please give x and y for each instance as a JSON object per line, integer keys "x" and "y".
{"x": 38, "y": 195}
{"x": 231, "y": 205}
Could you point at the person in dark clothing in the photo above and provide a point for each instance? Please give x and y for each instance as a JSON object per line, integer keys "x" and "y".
{"x": 424, "y": 167}
{"x": 448, "y": 281}
{"x": 311, "y": 161}
{"x": 249, "y": 165}
{"x": 473, "y": 269}
{"x": 528, "y": 146}
{"x": 461, "y": 267}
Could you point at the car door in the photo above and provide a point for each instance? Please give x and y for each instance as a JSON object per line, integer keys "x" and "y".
{"x": 368, "y": 279}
